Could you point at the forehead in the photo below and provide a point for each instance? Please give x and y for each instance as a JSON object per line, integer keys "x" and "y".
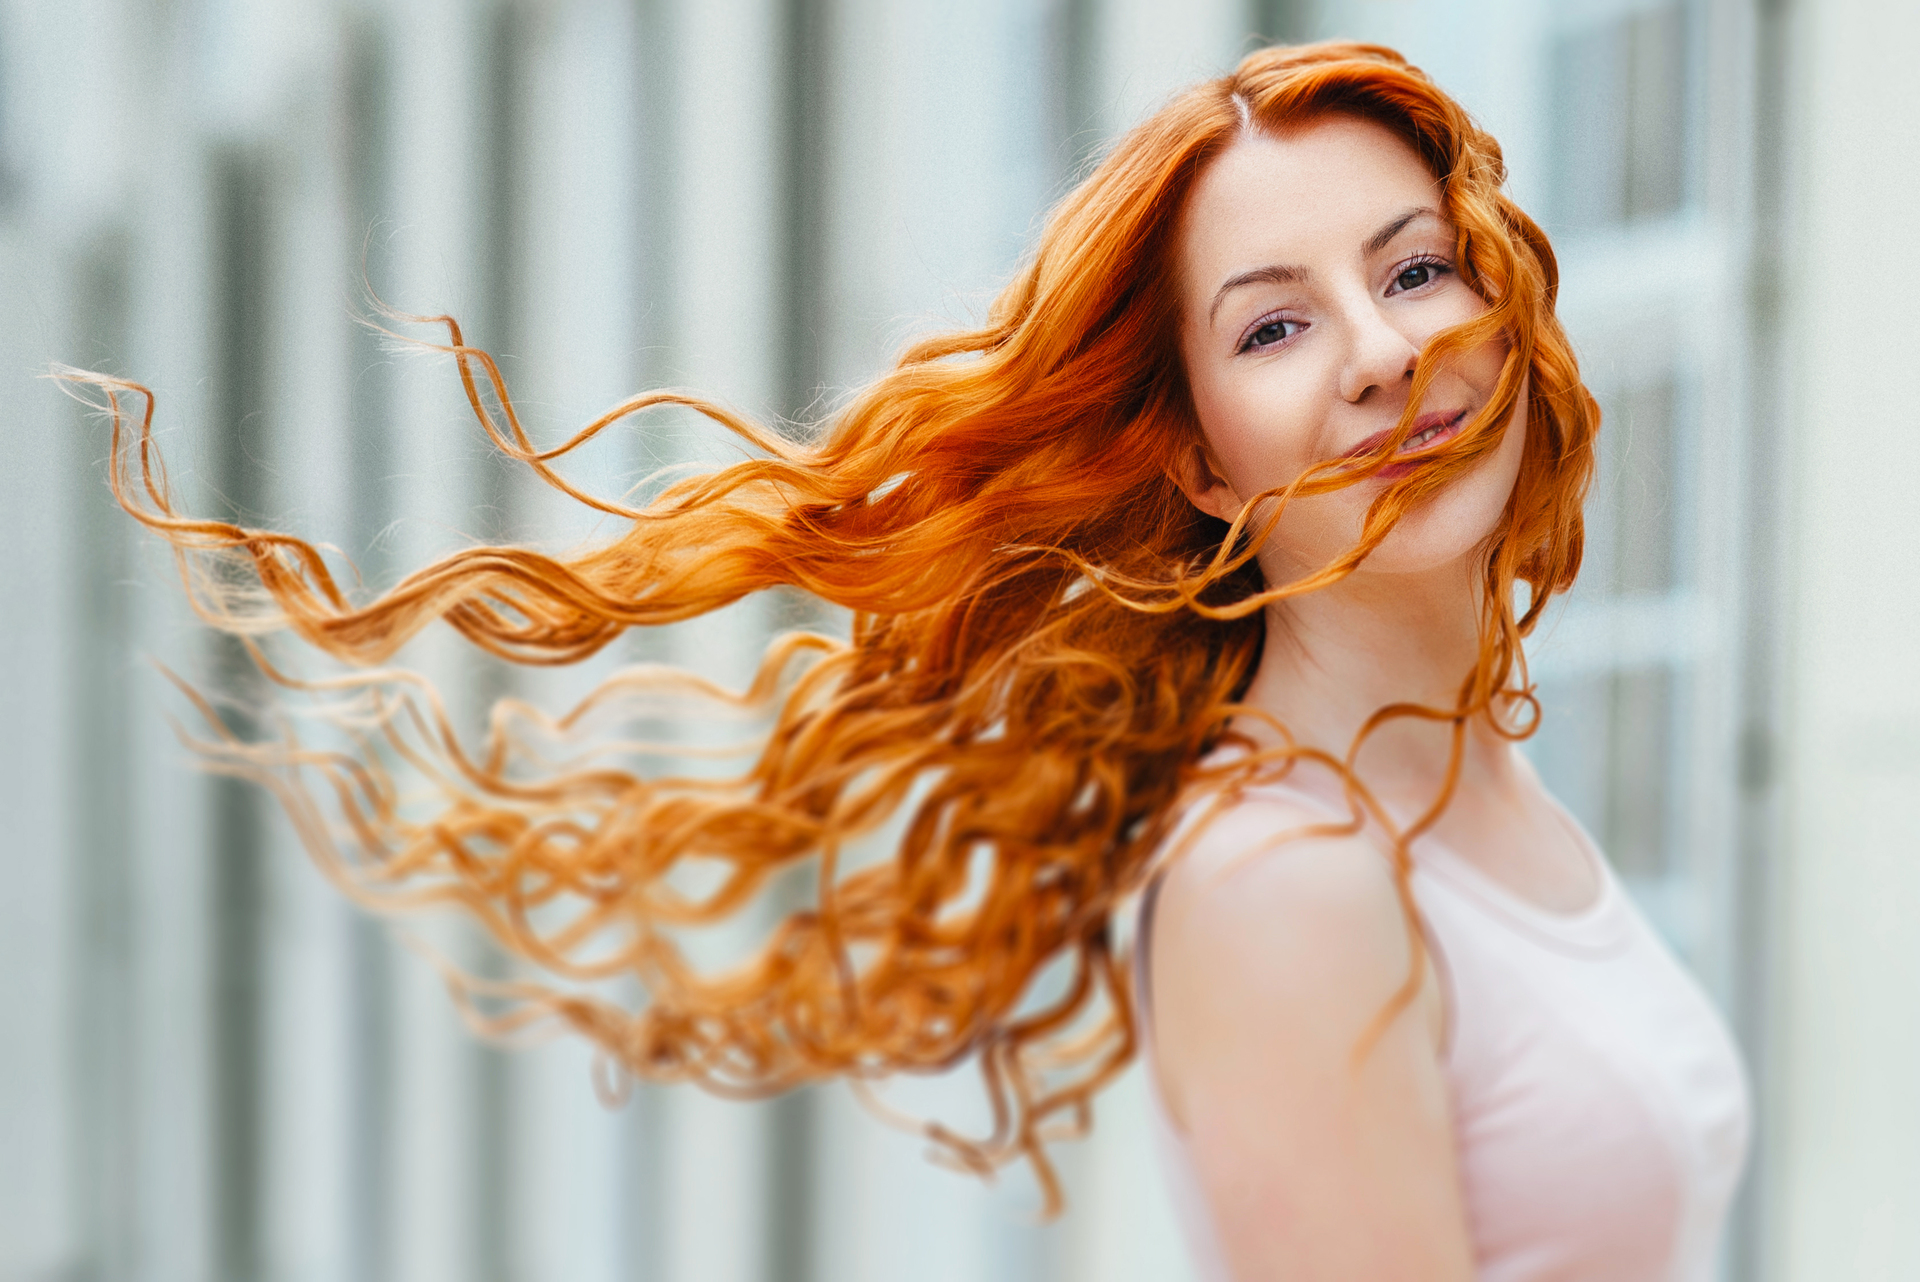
{"x": 1322, "y": 188}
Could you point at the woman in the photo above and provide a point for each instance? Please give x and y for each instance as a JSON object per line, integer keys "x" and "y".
{"x": 1193, "y": 573}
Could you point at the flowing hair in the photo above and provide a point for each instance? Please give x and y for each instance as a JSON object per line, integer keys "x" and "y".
{"x": 1047, "y": 639}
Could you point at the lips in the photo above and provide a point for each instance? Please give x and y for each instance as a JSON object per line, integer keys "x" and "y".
{"x": 1428, "y": 431}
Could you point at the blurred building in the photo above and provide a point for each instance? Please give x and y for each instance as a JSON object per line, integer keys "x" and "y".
{"x": 212, "y": 1068}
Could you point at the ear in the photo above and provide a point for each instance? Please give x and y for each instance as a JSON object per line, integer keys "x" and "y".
{"x": 1198, "y": 477}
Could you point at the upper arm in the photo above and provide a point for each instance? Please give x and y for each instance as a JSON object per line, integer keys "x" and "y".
{"x": 1267, "y": 972}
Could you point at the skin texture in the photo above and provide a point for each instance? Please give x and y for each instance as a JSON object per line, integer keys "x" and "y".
{"x": 1318, "y": 1166}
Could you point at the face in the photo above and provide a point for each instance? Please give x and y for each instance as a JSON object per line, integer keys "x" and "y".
{"x": 1312, "y": 269}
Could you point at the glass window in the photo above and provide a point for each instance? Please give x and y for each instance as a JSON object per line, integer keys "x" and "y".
{"x": 1619, "y": 118}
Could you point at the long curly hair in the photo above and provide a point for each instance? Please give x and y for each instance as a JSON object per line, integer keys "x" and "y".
{"x": 1047, "y": 639}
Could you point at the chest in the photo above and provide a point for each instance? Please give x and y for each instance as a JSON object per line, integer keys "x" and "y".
{"x": 1600, "y": 1106}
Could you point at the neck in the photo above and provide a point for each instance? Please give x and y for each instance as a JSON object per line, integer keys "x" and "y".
{"x": 1335, "y": 657}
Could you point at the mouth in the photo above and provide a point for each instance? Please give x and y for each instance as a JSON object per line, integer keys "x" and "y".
{"x": 1429, "y": 430}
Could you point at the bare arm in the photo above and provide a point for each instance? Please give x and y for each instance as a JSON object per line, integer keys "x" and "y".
{"x": 1266, "y": 974}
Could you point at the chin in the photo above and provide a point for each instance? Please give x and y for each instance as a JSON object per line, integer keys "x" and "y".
{"x": 1437, "y": 537}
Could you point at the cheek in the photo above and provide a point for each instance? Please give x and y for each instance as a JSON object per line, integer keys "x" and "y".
{"x": 1484, "y": 366}
{"x": 1257, "y": 435}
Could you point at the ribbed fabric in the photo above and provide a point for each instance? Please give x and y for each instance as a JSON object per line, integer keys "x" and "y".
{"x": 1600, "y": 1107}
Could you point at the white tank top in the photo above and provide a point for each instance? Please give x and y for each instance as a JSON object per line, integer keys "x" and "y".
{"x": 1600, "y": 1108}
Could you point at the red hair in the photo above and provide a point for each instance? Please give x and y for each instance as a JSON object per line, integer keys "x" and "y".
{"x": 1046, "y": 638}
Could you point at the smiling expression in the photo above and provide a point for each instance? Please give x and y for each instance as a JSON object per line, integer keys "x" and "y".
{"x": 1313, "y": 267}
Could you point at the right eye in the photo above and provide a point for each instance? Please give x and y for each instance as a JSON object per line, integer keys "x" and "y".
{"x": 1268, "y": 333}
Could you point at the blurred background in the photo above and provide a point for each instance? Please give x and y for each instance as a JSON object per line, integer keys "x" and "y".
{"x": 212, "y": 1068}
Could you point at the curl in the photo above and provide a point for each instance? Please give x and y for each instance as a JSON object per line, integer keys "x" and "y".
{"x": 1047, "y": 640}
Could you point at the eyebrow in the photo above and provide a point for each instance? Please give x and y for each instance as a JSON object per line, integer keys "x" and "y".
{"x": 1276, "y": 274}
{"x": 1384, "y": 237}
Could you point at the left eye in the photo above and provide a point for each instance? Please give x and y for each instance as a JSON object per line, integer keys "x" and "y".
{"x": 1414, "y": 275}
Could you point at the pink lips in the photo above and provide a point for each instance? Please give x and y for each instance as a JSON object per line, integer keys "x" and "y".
{"x": 1450, "y": 420}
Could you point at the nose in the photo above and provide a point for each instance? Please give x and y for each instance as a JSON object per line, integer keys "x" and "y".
{"x": 1379, "y": 356}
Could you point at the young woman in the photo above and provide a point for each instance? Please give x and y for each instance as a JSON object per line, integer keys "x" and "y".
{"x": 1201, "y": 571}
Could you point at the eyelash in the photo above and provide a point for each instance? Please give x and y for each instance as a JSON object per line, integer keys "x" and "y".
{"x": 1439, "y": 265}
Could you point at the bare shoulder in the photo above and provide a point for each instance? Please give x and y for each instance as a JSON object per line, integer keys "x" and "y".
{"x": 1265, "y": 875}
{"x": 1274, "y": 942}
